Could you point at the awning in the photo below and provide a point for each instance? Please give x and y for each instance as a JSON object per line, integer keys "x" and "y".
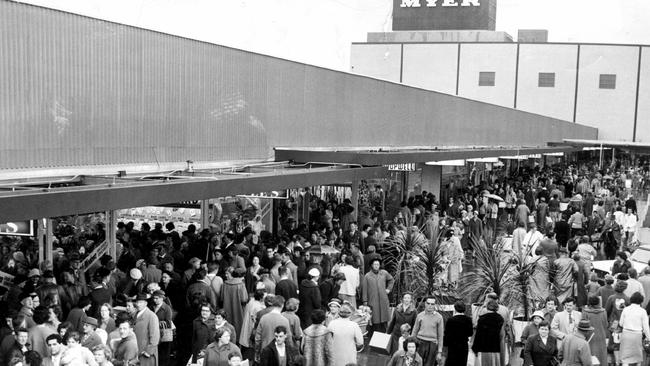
{"x": 383, "y": 157}
{"x": 627, "y": 145}
{"x": 25, "y": 199}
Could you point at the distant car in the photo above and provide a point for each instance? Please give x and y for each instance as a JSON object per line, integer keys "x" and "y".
{"x": 639, "y": 259}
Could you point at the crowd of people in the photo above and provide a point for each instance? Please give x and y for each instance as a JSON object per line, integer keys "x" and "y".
{"x": 224, "y": 297}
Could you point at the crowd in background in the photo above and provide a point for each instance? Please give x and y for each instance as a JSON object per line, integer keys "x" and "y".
{"x": 223, "y": 297}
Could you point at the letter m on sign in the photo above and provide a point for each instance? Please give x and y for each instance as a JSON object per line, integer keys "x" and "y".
{"x": 410, "y": 4}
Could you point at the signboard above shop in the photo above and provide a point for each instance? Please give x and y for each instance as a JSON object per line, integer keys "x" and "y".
{"x": 18, "y": 228}
{"x": 406, "y": 167}
{"x": 426, "y": 15}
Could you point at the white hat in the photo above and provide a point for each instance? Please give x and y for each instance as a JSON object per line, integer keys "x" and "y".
{"x": 314, "y": 272}
{"x": 135, "y": 274}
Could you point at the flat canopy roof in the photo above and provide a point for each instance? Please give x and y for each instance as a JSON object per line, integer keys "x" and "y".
{"x": 386, "y": 157}
{"x": 627, "y": 145}
{"x": 27, "y": 200}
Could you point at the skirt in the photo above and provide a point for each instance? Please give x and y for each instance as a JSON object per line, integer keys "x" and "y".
{"x": 631, "y": 348}
{"x": 488, "y": 359}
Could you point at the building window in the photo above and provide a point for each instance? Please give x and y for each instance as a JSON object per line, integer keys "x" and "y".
{"x": 607, "y": 81}
{"x": 546, "y": 80}
{"x": 486, "y": 78}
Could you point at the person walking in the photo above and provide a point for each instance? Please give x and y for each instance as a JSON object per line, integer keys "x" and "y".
{"x": 598, "y": 319}
{"x": 376, "y": 286}
{"x": 280, "y": 352}
{"x": 317, "y": 346}
{"x": 565, "y": 321}
{"x": 634, "y": 321}
{"x": 404, "y": 313}
{"x": 458, "y": 330}
{"x": 429, "y": 330}
{"x": 309, "y": 296}
{"x": 489, "y": 333}
{"x": 147, "y": 332}
{"x": 346, "y": 337}
{"x": 216, "y": 353}
{"x": 234, "y": 297}
{"x": 407, "y": 354}
{"x": 541, "y": 349}
{"x": 575, "y": 346}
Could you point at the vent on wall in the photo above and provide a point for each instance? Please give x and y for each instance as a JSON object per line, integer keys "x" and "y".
{"x": 546, "y": 80}
{"x": 607, "y": 81}
{"x": 486, "y": 78}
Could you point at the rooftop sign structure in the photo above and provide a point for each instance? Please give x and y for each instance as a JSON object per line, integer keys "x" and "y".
{"x": 421, "y": 15}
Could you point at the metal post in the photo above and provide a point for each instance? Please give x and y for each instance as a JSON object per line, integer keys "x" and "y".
{"x": 111, "y": 231}
{"x": 600, "y": 165}
{"x": 205, "y": 214}
{"x": 40, "y": 235}
{"x": 355, "y": 198}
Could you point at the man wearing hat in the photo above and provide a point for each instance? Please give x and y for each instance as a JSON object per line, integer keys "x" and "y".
{"x": 135, "y": 284}
{"x": 100, "y": 294}
{"x": 89, "y": 338}
{"x": 309, "y": 296}
{"x": 164, "y": 313}
{"x": 33, "y": 279}
{"x": 147, "y": 332}
{"x": 575, "y": 347}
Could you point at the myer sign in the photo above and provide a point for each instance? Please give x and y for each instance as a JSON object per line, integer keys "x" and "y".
{"x": 444, "y": 14}
{"x": 432, "y": 3}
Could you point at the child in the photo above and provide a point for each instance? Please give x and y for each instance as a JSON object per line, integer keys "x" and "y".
{"x": 405, "y": 330}
{"x": 614, "y": 343}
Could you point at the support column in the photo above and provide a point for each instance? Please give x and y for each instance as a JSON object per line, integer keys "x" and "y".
{"x": 355, "y": 199}
{"x": 205, "y": 214}
{"x": 432, "y": 179}
{"x": 111, "y": 231}
{"x": 45, "y": 236}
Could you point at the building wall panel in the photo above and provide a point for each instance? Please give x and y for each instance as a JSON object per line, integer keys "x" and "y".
{"x": 497, "y": 58}
{"x": 381, "y": 61}
{"x": 609, "y": 110}
{"x": 79, "y": 91}
{"x": 431, "y": 66}
{"x": 557, "y": 101}
{"x": 643, "y": 115}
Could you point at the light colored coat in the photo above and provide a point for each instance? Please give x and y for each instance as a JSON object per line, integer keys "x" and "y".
{"x": 346, "y": 336}
{"x": 376, "y": 287}
{"x": 147, "y": 333}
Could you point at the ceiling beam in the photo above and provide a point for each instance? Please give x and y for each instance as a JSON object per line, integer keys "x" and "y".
{"x": 26, "y": 205}
{"x": 373, "y": 158}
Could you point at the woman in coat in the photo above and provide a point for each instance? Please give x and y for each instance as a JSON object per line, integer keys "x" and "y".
{"x": 216, "y": 354}
{"x": 376, "y": 285}
{"x": 317, "y": 342}
{"x": 541, "y": 349}
{"x": 404, "y": 313}
{"x": 407, "y": 355}
{"x": 234, "y": 298}
{"x": 598, "y": 318}
{"x": 488, "y": 336}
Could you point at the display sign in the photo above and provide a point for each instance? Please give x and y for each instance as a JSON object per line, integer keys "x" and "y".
{"x": 18, "y": 228}
{"x": 406, "y": 167}
{"x": 425, "y": 15}
{"x": 6, "y": 280}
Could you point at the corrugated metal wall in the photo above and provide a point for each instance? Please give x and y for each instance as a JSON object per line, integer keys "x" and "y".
{"x": 80, "y": 91}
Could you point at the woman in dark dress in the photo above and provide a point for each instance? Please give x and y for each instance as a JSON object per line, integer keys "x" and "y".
{"x": 404, "y": 313}
{"x": 489, "y": 333}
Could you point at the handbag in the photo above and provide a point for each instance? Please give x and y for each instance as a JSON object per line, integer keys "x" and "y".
{"x": 167, "y": 332}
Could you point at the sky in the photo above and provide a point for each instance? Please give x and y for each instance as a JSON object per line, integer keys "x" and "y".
{"x": 319, "y": 32}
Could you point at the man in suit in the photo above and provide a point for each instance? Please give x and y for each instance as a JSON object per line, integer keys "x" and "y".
{"x": 280, "y": 347}
{"x": 147, "y": 332}
{"x": 540, "y": 348}
{"x": 457, "y": 332}
{"x": 56, "y": 347}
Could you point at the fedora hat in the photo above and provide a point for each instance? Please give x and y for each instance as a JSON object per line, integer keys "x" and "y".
{"x": 585, "y": 325}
